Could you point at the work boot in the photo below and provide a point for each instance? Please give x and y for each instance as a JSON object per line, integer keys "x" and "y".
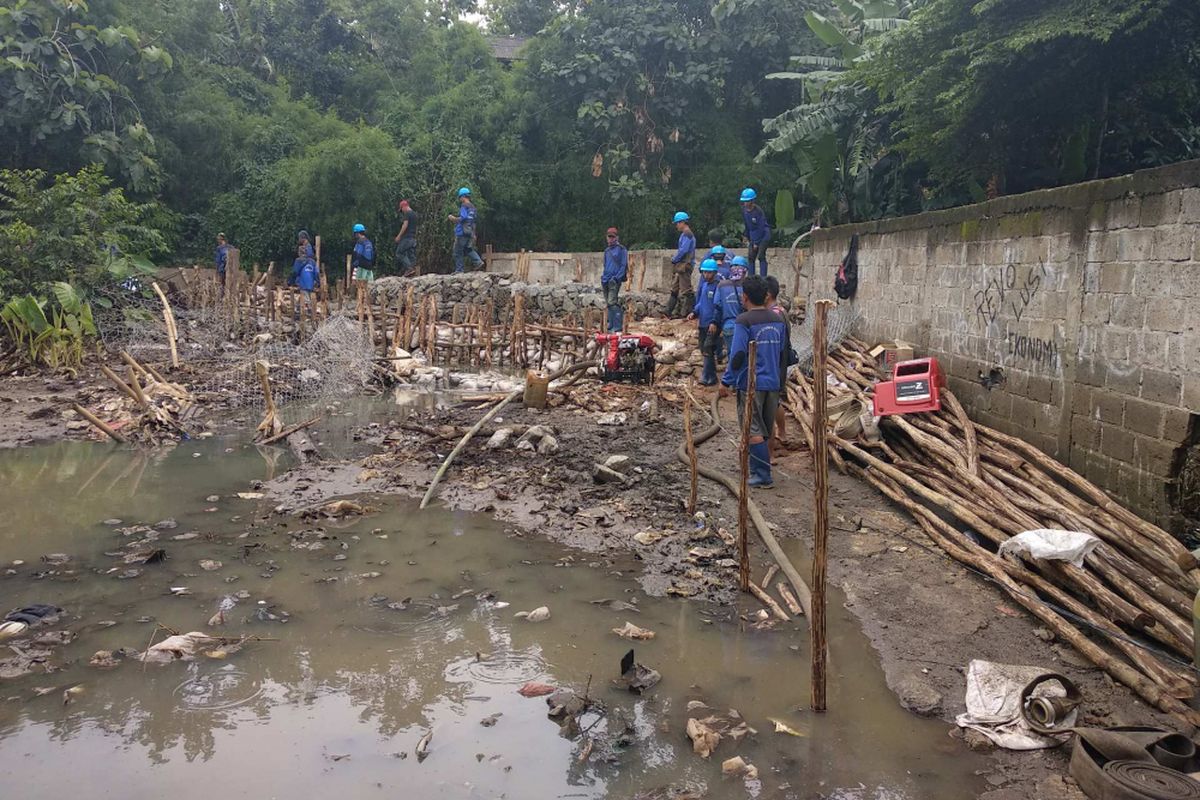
{"x": 688, "y": 302}
{"x": 760, "y": 466}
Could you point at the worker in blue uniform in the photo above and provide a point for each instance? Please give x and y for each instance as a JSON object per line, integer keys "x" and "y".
{"x": 770, "y": 333}
{"x": 465, "y": 222}
{"x": 707, "y": 312}
{"x": 616, "y": 268}
{"x": 758, "y": 231}
{"x": 683, "y": 263}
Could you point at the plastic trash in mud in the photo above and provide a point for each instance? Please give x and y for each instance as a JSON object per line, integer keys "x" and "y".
{"x": 631, "y": 631}
{"x": 707, "y": 728}
{"x": 994, "y": 705}
{"x": 637, "y": 677}
{"x": 539, "y": 614}
{"x": 225, "y": 605}
{"x": 1052, "y": 545}
{"x": 422, "y": 749}
{"x": 36, "y": 614}
{"x": 535, "y": 689}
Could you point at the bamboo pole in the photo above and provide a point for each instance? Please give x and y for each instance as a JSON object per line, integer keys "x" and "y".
{"x": 169, "y": 321}
{"x": 816, "y": 627}
{"x": 744, "y": 493}
{"x": 271, "y": 424}
{"x": 99, "y": 424}
{"x": 691, "y": 452}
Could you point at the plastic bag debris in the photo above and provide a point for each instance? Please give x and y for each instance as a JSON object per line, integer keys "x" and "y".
{"x": 1052, "y": 545}
{"x": 993, "y": 701}
{"x": 631, "y": 631}
{"x": 535, "y": 689}
{"x": 539, "y": 614}
{"x": 181, "y": 646}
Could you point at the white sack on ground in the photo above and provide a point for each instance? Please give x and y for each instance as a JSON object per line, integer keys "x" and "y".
{"x": 1052, "y": 545}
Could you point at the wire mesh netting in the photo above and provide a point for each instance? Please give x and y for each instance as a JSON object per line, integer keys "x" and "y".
{"x": 335, "y": 360}
{"x": 839, "y": 325}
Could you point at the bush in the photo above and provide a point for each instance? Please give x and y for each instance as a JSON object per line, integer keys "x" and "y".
{"x": 74, "y": 229}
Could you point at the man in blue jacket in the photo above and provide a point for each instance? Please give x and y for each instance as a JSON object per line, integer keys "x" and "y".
{"x": 708, "y": 313}
{"x": 758, "y": 232}
{"x": 759, "y": 324}
{"x": 729, "y": 298}
{"x": 616, "y": 267}
{"x": 683, "y": 263}
{"x": 222, "y": 256}
{"x": 306, "y": 276}
{"x": 363, "y": 257}
{"x": 464, "y": 231}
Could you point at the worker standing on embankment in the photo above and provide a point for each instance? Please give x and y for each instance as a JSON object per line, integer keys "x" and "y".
{"x": 758, "y": 231}
{"x": 707, "y": 311}
{"x": 406, "y": 241}
{"x": 464, "y": 232}
{"x": 763, "y": 326}
{"x": 684, "y": 263}
{"x": 616, "y": 268}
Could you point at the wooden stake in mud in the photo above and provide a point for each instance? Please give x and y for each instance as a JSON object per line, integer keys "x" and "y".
{"x": 169, "y": 321}
{"x": 744, "y": 493}
{"x": 100, "y": 425}
{"x": 691, "y": 451}
{"x": 271, "y": 424}
{"x": 816, "y": 625}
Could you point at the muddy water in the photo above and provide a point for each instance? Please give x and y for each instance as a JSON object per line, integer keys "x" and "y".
{"x": 336, "y": 704}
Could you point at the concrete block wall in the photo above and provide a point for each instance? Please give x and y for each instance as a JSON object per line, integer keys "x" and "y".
{"x": 1082, "y": 304}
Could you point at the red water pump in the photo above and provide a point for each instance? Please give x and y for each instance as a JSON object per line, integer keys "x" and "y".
{"x": 915, "y": 386}
{"x": 627, "y": 357}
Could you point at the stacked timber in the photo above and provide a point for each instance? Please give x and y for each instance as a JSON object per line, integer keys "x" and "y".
{"x": 1128, "y": 610}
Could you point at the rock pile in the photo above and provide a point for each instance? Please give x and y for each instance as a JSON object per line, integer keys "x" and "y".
{"x": 543, "y": 303}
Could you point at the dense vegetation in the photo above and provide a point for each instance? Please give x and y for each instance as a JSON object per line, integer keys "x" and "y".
{"x": 261, "y": 117}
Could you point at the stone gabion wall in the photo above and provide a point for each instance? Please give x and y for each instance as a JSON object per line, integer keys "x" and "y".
{"x": 543, "y": 303}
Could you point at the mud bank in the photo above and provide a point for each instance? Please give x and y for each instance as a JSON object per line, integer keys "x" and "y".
{"x": 926, "y": 616}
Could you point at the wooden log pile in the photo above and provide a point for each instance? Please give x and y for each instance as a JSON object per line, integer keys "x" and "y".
{"x": 970, "y": 488}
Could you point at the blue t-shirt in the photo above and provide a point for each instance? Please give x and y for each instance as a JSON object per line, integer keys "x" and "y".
{"x": 771, "y": 333}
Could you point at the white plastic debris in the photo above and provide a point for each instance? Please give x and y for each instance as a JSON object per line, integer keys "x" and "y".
{"x": 1052, "y": 545}
{"x": 994, "y": 705}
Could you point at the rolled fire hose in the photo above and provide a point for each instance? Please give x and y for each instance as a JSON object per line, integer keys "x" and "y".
{"x": 803, "y": 595}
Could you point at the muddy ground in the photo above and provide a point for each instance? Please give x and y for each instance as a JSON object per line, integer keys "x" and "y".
{"x": 926, "y": 615}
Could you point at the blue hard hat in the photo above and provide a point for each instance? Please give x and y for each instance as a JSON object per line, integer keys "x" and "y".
{"x": 360, "y": 228}
{"x": 740, "y": 261}
{"x": 464, "y": 192}
{"x": 681, "y": 216}
{"x": 718, "y": 250}
{"x": 748, "y": 195}
{"x": 708, "y": 265}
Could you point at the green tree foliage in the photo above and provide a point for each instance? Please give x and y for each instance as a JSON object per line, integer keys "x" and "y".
{"x": 76, "y": 229}
{"x": 66, "y": 90}
{"x": 1021, "y": 94}
{"x": 838, "y": 136}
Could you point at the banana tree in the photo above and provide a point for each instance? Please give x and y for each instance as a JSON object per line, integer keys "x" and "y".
{"x": 836, "y": 136}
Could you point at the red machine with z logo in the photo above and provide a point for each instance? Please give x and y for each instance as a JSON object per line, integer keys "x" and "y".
{"x": 915, "y": 387}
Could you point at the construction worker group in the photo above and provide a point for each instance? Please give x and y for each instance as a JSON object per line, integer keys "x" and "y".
{"x": 732, "y": 305}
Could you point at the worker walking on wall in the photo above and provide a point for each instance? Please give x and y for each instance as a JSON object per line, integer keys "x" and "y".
{"x": 763, "y": 326}
{"x": 222, "y": 260}
{"x": 464, "y": 231}
{"x": 707, "y": 311}
{"x": 362, "y": 260}
{"x": 616, "y": 267}
{"x": 406, "y": 241}
{"x": 758, "y": 232}
{"x": 683, "y": 263}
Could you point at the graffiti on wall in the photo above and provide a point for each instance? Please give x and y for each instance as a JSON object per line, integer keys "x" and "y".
{"x": 1007, "y": 294}
{"x": 1032, "y": 351}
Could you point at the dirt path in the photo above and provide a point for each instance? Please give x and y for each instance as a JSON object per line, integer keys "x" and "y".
{"x": 926, "y": 615}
